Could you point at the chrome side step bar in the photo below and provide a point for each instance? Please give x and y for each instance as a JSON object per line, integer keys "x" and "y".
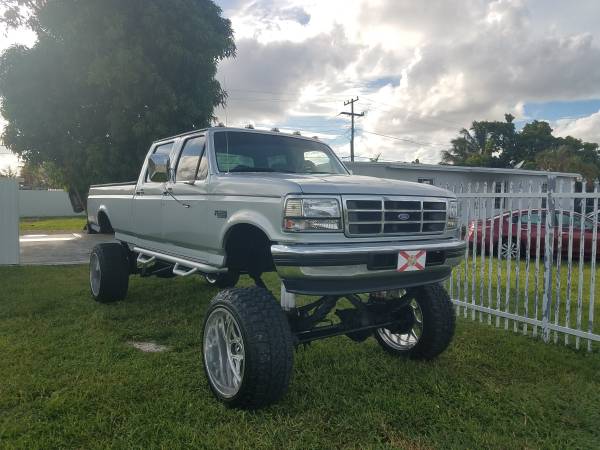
{"x": 146, "y": 257}
{"x": 183, "y": 273}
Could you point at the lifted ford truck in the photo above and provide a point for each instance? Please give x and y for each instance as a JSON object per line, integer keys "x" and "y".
{"x": 221, "y": 202}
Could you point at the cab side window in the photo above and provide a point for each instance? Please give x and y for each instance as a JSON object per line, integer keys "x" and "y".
{"x": 192, "y": 164}
{"x": 163, "y": 149}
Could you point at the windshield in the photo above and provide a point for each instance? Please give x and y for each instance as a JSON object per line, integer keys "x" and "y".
{"x": 239, "y": 151}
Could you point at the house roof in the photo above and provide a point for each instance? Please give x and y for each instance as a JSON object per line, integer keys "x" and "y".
{"x": 462, "y": 169}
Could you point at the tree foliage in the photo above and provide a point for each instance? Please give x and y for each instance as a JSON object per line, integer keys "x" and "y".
{"x": 106, "y": 78}
{"x": 41, "y": 176}
{"x": 483, "y": 144}
{"x": 499, "y": 144}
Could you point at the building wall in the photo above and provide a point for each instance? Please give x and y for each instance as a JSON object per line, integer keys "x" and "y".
{"x": 454, "y": 180}
{"x": 468, "y": 181}
{"x": 9, "y": 221}
{"x": 45, "y": 204}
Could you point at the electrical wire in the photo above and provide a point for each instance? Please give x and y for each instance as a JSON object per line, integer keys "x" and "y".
{"x": 411, "y": 141}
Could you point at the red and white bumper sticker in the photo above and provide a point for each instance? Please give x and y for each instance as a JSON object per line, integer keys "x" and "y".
{"x": 411, "y": 260}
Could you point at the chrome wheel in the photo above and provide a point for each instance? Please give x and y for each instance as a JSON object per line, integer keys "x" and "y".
{"x": 405, "y": 341}
{"x": 95, "y": 274}
{"x": 507, "y": 251}
{"x": 224, "y": 352}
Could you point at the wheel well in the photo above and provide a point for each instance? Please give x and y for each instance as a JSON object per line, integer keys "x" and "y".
{"x": 104, "y": 223}
{"x": 248, "y": 249}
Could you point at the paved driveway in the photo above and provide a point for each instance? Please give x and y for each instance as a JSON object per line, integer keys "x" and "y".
{"x": 57, "y": 249}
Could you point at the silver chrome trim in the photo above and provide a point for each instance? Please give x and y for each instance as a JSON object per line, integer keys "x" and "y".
{"x": 353, "y": 248}
{"x": 224, "y": 352}
{"x": 183, "y": 273}
{"x": 382, "y": 210}
{"x": 204, "y": 268}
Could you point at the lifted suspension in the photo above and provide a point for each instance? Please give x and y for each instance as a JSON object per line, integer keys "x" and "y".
{"x": 382, "y": 310}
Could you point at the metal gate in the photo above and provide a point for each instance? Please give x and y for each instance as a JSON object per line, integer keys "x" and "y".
{"x": 530, "y": 262}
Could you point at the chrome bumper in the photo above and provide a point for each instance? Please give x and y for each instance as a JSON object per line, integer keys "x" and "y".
{"x": 327, "y": 269}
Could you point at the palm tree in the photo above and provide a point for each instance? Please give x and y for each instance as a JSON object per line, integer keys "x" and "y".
{"x": 481, "y": 145}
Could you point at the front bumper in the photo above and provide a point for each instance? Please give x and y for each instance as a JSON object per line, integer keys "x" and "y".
{"x": 335, "y": 269}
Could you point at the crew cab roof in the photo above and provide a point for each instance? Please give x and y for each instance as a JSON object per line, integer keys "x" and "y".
{"x": 248, "y": 130}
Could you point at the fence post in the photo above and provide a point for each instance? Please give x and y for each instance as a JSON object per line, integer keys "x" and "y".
{"x": 548, "y": 257}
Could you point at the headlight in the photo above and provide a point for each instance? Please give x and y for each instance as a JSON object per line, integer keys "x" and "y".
{"x": 452, "y": 215}
{"x": 312, "y": 214}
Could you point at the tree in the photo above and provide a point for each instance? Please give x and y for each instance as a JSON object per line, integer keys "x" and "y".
{"x": 535, "y": 137}
{"x": 106, "y": 78}
{"x": 42, "y": 176}
{"x": 565, "y": 159}
{"x": 482, "y": 145}
{"x": 8, "y": 173}
{"x": 498, "y": 144}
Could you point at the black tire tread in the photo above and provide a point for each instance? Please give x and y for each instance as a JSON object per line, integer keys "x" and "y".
{"x": 268, "y": 346}
{"x": 114, "y": 267}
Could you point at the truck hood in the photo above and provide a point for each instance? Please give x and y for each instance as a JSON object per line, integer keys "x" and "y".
{"x": 358, "y": 184}
{"x": 281, "y": 184}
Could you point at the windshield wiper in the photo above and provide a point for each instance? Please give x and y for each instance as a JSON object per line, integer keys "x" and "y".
{"x": 328, "y": 173}
{"x": 252, "y": 169}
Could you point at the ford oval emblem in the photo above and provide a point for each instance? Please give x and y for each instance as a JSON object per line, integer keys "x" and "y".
{"x": 403, "y": 216}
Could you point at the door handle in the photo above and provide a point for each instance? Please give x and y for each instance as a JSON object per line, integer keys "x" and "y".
{"x": 140, "y": 191}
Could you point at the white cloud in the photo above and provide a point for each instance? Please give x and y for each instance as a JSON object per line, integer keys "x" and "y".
{"x": 453, "y": 62}
{"x": 422, "y": 70}
{"x": 584, "y": 128}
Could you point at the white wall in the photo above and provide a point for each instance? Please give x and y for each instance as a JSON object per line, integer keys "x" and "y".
{"x": 9, "y": 221}
{"x": 45, "y": 204}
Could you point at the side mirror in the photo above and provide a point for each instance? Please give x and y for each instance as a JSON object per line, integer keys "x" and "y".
{"x": 158, "y": 168}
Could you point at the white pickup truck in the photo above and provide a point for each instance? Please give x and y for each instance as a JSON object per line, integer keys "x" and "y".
{"x": 222, "y": 202}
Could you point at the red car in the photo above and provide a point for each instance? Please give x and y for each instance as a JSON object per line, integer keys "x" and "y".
{"x": 508, "y": 224}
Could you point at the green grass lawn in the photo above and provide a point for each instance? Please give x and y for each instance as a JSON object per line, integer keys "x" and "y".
{"x": 529, "y": 301}
{"x": 69, "y": 379}
{"x": 33, "y": 225}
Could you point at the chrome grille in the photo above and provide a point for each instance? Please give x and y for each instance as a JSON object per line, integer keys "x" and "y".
{"x": 394, "y": 216}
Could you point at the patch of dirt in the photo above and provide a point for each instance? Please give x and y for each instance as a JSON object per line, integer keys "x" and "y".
{"x": 148, "y": 347}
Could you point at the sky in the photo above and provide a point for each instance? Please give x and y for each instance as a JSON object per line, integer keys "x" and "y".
{"x": 421, "y": 70}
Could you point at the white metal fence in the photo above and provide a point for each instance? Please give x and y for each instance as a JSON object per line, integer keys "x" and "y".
{"x": 530, "y": 265}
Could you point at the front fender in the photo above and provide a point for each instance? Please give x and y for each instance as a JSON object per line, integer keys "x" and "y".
{"x": 248, "y": 217}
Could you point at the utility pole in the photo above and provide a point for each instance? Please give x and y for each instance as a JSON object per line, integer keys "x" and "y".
{"x": 352, "y": 114}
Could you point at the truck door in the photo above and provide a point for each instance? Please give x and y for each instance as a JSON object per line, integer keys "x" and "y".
{"x": 147, "y": 201}
{"x": 184, "y": 206}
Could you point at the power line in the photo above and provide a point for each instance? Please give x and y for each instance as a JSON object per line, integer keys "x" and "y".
{"x": 430, "y": 120}
{"x": 352, "y": 114}
{"x": 411, "y": 141}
